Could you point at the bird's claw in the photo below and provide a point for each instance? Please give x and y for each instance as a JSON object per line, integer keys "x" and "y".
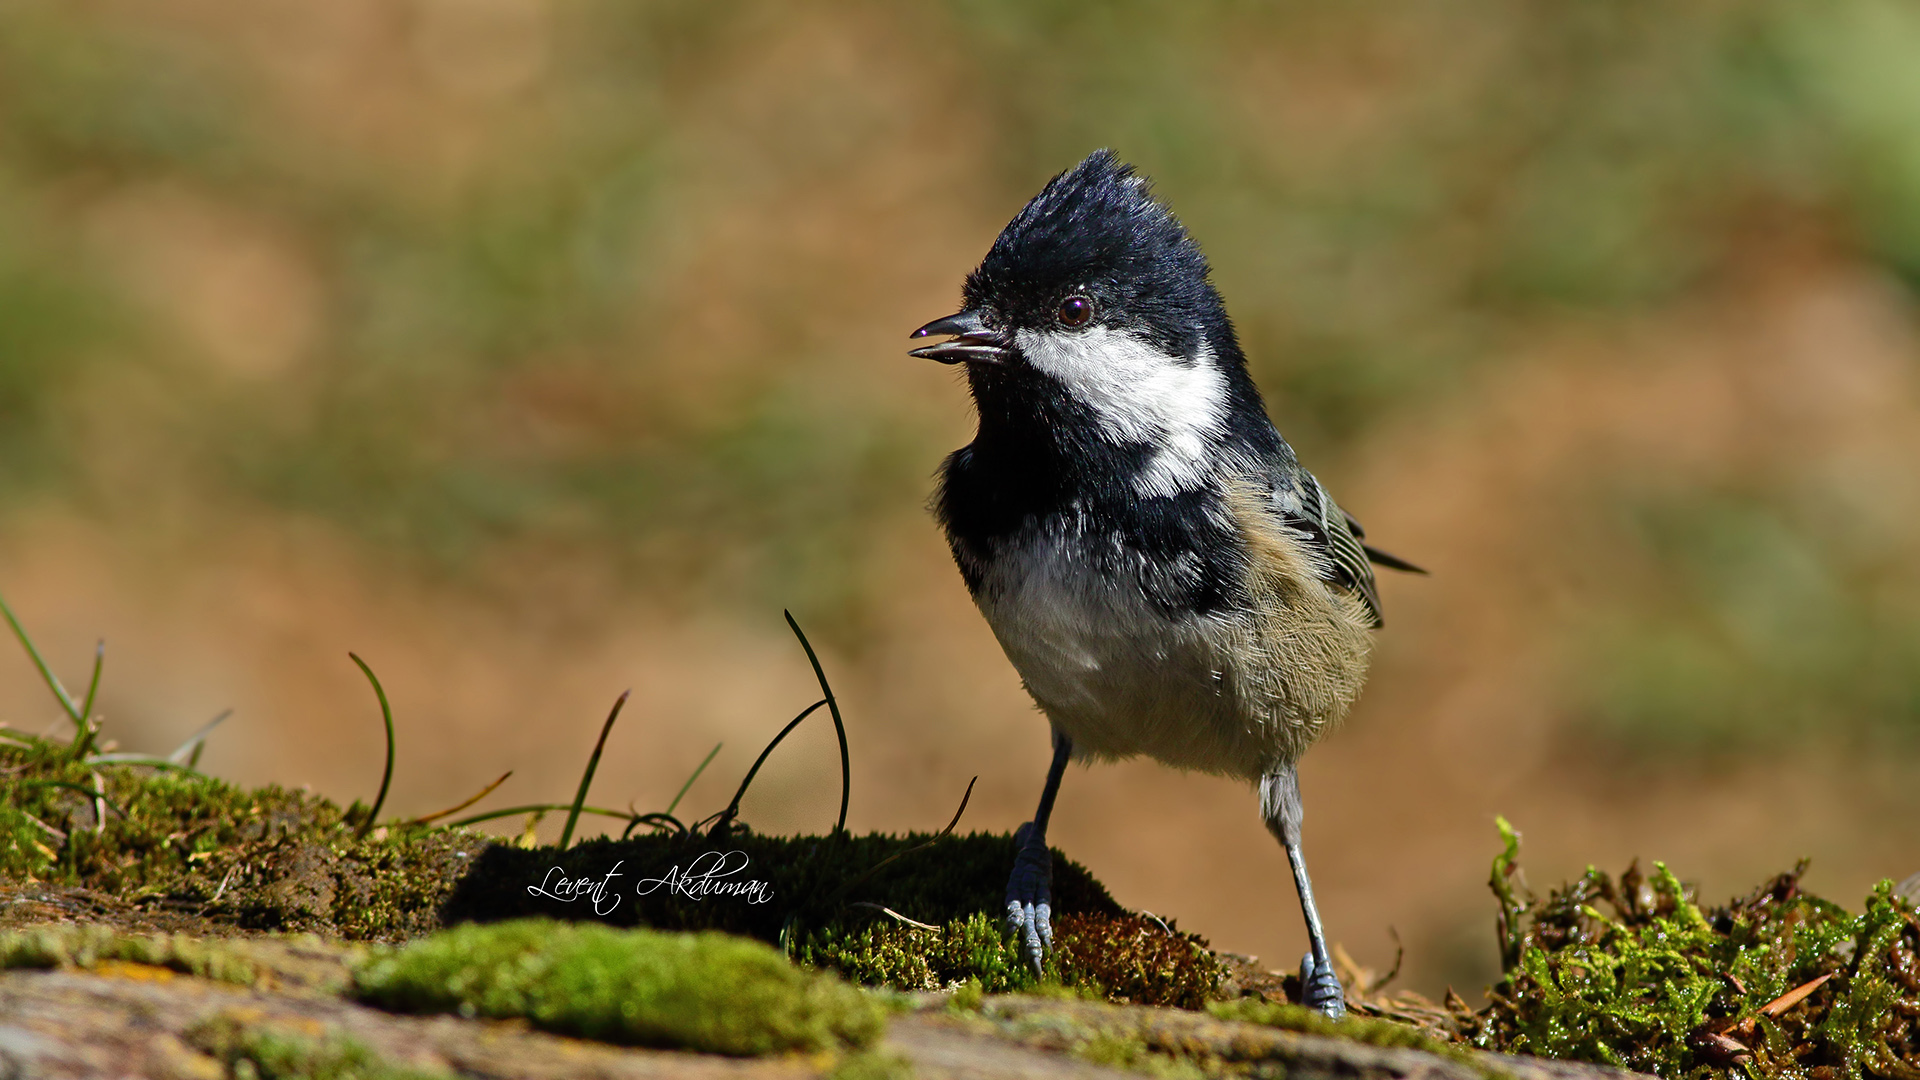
{"x": 1033, "y": 924}
{"x": 1320, "y": 988}
{"x": 1030, "y": 897}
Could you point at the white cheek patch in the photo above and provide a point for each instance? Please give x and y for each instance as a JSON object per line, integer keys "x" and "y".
{"x": 1140, "y": 395}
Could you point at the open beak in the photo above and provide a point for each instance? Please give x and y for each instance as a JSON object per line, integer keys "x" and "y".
{"x": 973, "y": 341}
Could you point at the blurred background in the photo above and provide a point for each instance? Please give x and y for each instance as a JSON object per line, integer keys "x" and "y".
{"x": 538, "y": 349}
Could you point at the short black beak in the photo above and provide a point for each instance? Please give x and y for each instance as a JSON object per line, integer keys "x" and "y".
{"x": 973, "y": 341}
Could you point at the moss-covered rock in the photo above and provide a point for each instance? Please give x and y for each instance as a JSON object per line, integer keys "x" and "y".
{"x": 265, "y": 859}
{"x": 172, "y": 843}
{"x": 710, "y": 992}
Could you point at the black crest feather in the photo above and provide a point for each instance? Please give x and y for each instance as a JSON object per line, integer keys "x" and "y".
{"x": 1097, "y": 226}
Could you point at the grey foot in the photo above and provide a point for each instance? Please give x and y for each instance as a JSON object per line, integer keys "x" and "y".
{"x": 1320, "y": 988}
{"x": 1030, "y": 896}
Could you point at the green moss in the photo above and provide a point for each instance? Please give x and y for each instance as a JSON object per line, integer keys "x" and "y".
{"x": 85, "y": 946}
{"x": 1664, "y": 986}
{"x": 262, "y": 1052}
{"x": 269, "y": 859}
{"x": 706, "y": 992}
{"x": 1120, "y": 958}
{"x": 973, "y": 949}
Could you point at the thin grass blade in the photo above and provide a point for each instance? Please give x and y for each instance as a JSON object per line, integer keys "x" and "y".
{"x": 190, "y": 749}
{"x": 839, "y": 728}
{"x": 510, "y": 811}
{"x": 586, "y": 778}
{"x": 428, "y": 819}
{"x": 93, "y": 684}
{"x": 120, "y": 758}
{"x": 725, "y": 817}
{"x": 656, "y": 820}
{"x": 88, "y": 729}
{"x": 53, "y": 682}
{"x": 81, "y": 788}
{"x": 386, "y": 717}
{"x": 696, "y": 775}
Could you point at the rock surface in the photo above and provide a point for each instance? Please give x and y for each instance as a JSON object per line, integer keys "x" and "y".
{"x": 126, "y": 1019}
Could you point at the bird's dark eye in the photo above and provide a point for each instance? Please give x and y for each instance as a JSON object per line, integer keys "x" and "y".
{"x": 1075, "y": 312}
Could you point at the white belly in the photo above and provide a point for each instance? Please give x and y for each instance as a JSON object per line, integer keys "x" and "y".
{"x": 1121, "y": 678}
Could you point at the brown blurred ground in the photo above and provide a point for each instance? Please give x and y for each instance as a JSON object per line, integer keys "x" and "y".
{"x": 353, "y": 374}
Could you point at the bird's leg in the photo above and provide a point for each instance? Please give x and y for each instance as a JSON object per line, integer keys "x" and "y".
{"x": 1030, "y": 888}
{"x": 1280, "y": 805}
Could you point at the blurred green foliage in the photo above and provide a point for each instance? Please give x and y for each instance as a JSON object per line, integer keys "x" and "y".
{"x": 558, "y": 343}
{"x": 1763, "y": 626}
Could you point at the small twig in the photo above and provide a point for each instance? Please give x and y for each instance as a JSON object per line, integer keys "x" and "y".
{"x": 221, "y": 891}
{"x": 895, "y": 914}
{"x": 386, "y": 777}
{"x": 57, "y": 834}
{"x": 100, "y": 803}
{"x": 839, "y": 728}
{"x": 1158, "y": 921}
{"x": 428, "y": 819}
{"x": 593, "y": 763}
{"x": 1793, "y": 997}
{"x": 1399, "y": 954}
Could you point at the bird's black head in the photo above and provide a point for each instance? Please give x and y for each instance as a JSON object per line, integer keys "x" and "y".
{"x": 1093, "y": 252}
{"x": 1091, "y": 329}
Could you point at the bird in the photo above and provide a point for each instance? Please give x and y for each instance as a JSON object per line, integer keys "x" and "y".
{"x": 1158, "y": 567}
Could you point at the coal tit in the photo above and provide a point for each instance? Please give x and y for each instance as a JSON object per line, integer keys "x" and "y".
{"x": 1163, "y": 574}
